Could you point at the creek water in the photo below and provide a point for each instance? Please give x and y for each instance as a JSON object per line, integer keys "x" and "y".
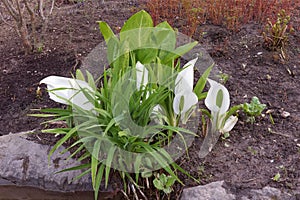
{"x": 12, "y": 192}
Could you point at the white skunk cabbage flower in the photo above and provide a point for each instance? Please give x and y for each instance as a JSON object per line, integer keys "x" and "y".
{"x": 185, "y": 99}
{"x": 218, "y": 101}
{"x": 69, "y": 91}
{"x": 141, "y": 75}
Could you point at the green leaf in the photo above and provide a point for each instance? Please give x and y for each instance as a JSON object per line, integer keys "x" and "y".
{"x": 201, "y": 83}
{"x": 165, "y": 39}
{"x": 170, "y": 181}
{"x": 139, "y": 20}
{"x": 255, "y": 108}
{"x": 81, "y": 175}
{"x": 202, "y": 96}
{"x": 146, "y": 174}
{"x": 91, "y": 81}
{"x": 43, "y": 115}
{"x": 79, "y": 167}
{"x": 233, "y": 110}
{"x": 61, "y": 141}
{"x": 164, "y": 24}
{"x": 106, "y": 31}
{"x": 158, "y": 184}
{"x": 95, "y": 161}
{"x": 79, "y": 75}
{"x": 276, "y": 177}
{"x": 108, "y": 162}
{"x": 113, "y": 53}
{"x": 167, "y": 190}
{"x": 98, "y": 180}
{"x": 180, "y": 51}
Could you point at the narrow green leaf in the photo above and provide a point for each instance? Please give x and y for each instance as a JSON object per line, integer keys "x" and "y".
{"x": 79, "y": 167}
{"x": 110, "y": 124}
{"x": 180, "y": 51}
{"x": 201, "y": 83}
{"x": 81, "y": 175}
{"x": 137, "y": 165}
{"x": 203, "y": 95}
{"x": 95, "y": 161}
{"x": 43, "y": 115}
{"x": 98, "y": 180}
{"x": 108, "y": 162}
{"x": 61, "y": 141}
{"x": 233, "y": 110}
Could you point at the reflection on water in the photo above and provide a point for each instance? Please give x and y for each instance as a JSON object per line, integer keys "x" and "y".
{"x": 30, "y": 193}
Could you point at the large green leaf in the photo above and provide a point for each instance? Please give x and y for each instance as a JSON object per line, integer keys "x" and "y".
{"x": 113, "y": 47}
{"x": 165, "y": 38}
{"x": 137, "y": 31}
{"x": 139, "y": 20}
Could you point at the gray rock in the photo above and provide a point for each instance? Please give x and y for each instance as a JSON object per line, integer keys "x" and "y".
{"x": 24, "y": 162}
{"x": 215, "y": 191}
{"x": 268, "y": 193}
{"x": 212, "y": 191}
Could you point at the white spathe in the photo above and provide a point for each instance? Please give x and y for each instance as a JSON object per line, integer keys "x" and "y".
{"x": 211, "y": 101}
{"x": 141, "y": 75}
{"x": 185, "y": 98}
{"x": 68, "y": 91}
{"x": 229, "y": 124}
{"x": 218, "y": 102}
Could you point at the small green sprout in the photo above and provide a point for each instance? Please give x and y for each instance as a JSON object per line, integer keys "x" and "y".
{"x": 223, "y": 78}
{"x": 253, "y": 109}
{"x": 276, "y": 177}
{"x": 226, "y": 136}
{"x": 164, "y": 183}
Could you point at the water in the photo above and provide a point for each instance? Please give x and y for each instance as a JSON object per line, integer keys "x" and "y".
{"x": 12, "y": 192}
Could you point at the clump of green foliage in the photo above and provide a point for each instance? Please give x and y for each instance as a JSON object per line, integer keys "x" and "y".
{"x": 164, "y": 183}
{"x": 116, "y": 133}
{"x": 276, "y": 34}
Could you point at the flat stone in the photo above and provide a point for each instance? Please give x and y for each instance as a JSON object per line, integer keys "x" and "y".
{"x": 269, "y": 193}
{"x": 212, "y": 191}
{"x": 215, "y": 191}
{"x": 24, "y": 162}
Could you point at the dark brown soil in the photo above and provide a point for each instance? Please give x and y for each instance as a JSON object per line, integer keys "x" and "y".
{"x": 253, "y": 153}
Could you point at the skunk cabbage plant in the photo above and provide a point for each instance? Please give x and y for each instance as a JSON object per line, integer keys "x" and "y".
{"x": 144, "y": 81}
{"x": 185, "y": 99}
{"x": 217, "y": 101}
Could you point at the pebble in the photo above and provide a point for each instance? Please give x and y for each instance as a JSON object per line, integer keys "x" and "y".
{"x": 285, "y": 114}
